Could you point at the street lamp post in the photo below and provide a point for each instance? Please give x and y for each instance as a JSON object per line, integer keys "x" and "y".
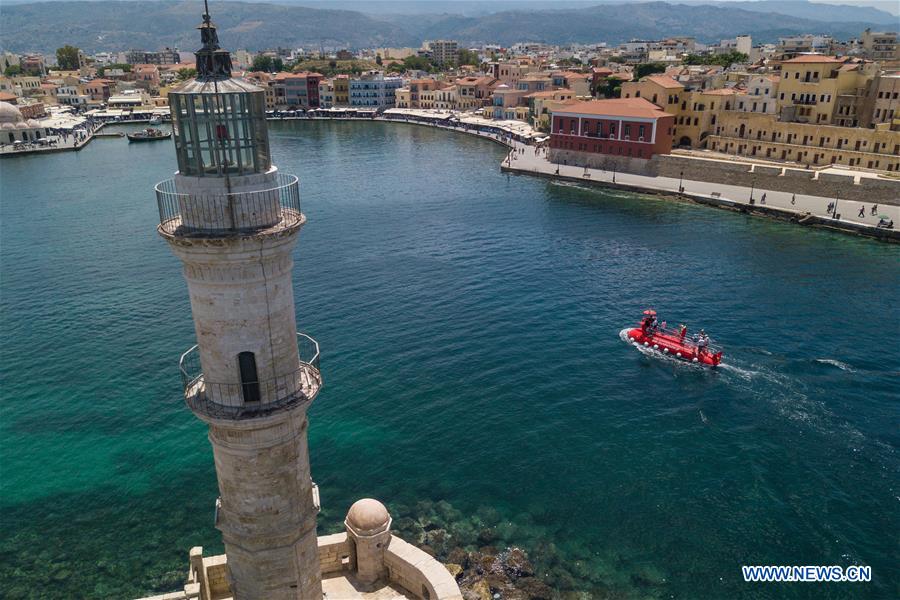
{"x": 834, "y": 213}
{"x": 752, "y": 187}
{"x": 680, "y": 179}
{"x": 614, "y": 172}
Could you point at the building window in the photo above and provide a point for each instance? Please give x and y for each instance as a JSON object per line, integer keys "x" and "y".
{"x": 249, "y": 378}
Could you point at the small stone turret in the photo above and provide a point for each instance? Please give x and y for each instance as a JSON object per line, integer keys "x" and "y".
{"x": 369, "y": 530}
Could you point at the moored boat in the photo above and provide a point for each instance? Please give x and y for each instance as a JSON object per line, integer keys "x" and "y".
{"x": 697, "y": 349}
{"x": 149, "y": 135}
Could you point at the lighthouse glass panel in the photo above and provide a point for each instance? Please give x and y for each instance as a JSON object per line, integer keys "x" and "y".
{"x": 219, "y": 134}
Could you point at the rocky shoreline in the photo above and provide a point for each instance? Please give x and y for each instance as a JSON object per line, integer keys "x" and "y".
{"x": 493, "y": 558}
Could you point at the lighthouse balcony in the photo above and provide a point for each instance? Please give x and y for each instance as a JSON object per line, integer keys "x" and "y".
{"x": 252, "y": 399}
{"x": 201, "y": 213}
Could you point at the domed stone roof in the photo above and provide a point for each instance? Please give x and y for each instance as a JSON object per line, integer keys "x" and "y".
{"x": 33, "y": 123}
{"x": 7, "y": 126}
{"x": 10, "y": 114}
{"x": 368, "y": 516}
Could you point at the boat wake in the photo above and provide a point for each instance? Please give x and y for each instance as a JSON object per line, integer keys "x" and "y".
{"x": 836, "y": 363}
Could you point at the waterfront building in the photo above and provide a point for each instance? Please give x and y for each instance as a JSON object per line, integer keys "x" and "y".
{"x": 623, "y": 127}
{"x": 402, "y": 97}
{"x": 811, "y": 84}
{"x": 374, "y": 90}
{"x": 763, "y": 136}
{"x": 342, "y": 90}
{"x": 99, "y": 90}
{"x": 474, "y": 92}
{"x": 541, "y": 106}
{"x": 297, "y": 90}
{"x": 233, "y": 220}
{"x": 661, "y": 90}
{"x": 326, "y": 93}
{"x": 882, "y": 105}
{"x": 504, "y": 101}
{"x": 15, "y": 127}
{"x": 760, "y": 96}
{"x": 417, "y": 87}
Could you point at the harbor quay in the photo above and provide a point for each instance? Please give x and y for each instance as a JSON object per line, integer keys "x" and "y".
{"x": 529, "y": 154}
{"x": 852, "y": 216}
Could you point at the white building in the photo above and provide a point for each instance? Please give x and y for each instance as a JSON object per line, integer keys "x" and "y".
{"x": 374, "y": 90}
{"x": 760, "y": 96}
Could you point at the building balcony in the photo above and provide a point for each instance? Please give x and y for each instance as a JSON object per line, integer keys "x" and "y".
{"x": 228, "y": 214}
{"x": 249, "y": 400}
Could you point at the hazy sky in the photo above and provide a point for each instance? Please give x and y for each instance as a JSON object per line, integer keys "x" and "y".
{"x": 891, "y": 6}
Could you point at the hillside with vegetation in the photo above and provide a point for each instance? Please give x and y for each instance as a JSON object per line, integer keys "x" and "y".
{"x": 118, "y": 25}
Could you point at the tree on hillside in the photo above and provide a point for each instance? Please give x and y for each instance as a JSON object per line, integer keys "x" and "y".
{"x": 644, "y": 69}
{"x": 378, "y": 60}
{"x": 13, "y": 70}
{"x": 67, "y": 58}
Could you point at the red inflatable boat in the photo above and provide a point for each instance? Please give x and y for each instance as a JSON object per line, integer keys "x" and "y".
{"x": 674, "y": 342}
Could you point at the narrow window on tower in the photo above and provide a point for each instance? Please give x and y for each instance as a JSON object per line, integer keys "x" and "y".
{"x": 249, "y": 379}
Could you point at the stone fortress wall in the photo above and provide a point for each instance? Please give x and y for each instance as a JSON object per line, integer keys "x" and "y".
{"x": 811, "y": 182}
{"x": 366, "y": 553}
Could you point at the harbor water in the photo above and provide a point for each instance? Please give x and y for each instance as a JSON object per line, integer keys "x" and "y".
{"x": 470, "y": 331}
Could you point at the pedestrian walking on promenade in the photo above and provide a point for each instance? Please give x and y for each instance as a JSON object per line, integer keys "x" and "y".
{"x": 874, "y": 209}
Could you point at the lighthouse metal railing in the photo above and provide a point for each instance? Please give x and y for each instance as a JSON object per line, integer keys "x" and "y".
{"x": 230, "y": 213}
{"x": 248, "y": 399}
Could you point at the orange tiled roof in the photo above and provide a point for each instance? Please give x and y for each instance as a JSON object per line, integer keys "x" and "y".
{"x": 814, "y": 58}
{"x": 619, "y": 107}
{"x": 664, "y": 81}
{"x": 720, "y": 92}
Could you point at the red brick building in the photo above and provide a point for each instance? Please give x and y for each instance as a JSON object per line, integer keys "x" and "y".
{"x": 626, "y": 127}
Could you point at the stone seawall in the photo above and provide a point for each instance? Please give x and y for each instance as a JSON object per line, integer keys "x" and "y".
{"x": 624, "y": 164}
{"x": 782, "y": 179}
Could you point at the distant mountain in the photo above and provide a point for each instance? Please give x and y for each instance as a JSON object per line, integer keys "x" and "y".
{"x": 818, "y": 11}
{"x": 616, "y": 23}
{"x": 120, "y": 25}
{"x": 117, "y": 25}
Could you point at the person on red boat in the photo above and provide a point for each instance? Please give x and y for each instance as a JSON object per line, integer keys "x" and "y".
{"x": 649, "y": 323}
{"x": 702, "y": 342}
{"x": 682, "y": 331}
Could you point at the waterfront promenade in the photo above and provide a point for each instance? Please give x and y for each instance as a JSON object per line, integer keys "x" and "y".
{"x": 843, "y": 214}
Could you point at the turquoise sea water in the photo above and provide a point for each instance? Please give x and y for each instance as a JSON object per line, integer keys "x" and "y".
{"x": 469, "y": 323}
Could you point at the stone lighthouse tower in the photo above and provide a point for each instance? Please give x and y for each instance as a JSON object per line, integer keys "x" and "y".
{"x": 233, "y": 220}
